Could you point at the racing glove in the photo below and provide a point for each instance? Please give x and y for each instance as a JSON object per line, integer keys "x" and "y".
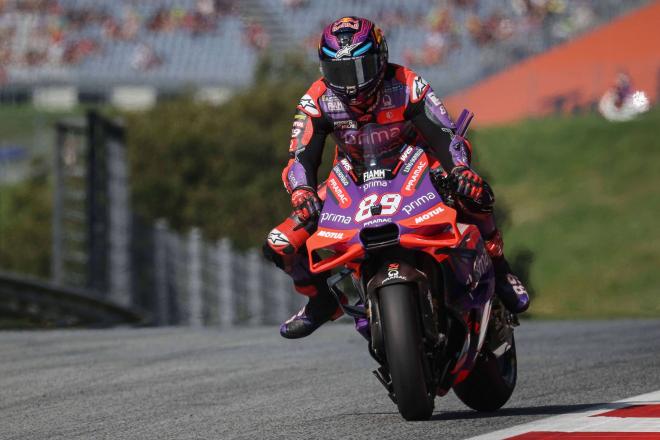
{"x": 468, "y": 183}
{"x": 306, "y": 204}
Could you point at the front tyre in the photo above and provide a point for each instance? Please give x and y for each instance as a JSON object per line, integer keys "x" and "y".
{"x": 404, "y": 351}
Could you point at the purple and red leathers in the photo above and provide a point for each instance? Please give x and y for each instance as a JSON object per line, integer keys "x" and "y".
{"x": 404, "y": 110}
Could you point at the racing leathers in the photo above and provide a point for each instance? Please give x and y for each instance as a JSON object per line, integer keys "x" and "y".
{"x": 405, "y": 110}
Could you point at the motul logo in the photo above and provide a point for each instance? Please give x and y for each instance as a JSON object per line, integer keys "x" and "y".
{"x": 427, "y": 215}
{"x": 330, "y": 234}
{"x": 336, "y": 189}
{"x": 414, "y": 177}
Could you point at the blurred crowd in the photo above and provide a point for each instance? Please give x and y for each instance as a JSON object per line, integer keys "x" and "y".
{"x": 52, "y": 33}
{"x": 65, "y": 33}
{"x": 484, "y": 24}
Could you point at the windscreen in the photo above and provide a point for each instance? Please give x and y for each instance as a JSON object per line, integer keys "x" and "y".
{"x": 374, "y": 147}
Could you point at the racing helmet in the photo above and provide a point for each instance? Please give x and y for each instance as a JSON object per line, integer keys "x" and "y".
{"x": 353, "y": 57}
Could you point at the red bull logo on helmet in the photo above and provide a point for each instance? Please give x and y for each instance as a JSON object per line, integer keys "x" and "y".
{"x": 346, "y": 23}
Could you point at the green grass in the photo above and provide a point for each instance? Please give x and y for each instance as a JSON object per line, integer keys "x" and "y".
{"x": 584, "y": 196}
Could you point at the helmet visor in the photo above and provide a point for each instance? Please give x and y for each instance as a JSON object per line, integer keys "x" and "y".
{"x": 351, "y": 72}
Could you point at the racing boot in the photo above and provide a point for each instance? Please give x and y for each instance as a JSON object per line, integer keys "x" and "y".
{"x": 508, "y": 287}
{"x": 320, "y": 309}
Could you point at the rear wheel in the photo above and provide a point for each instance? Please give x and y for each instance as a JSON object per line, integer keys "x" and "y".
{"x": 404, "y": 351}
{"x": 492, "y": 380}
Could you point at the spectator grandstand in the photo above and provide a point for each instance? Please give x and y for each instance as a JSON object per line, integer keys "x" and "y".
{"x": 96, "y": 45}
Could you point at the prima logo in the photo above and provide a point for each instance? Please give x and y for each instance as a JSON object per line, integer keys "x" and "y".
{"x": 373, "y": 184}
{"x": 336, "y": 218}
{"x": 428, "y": 215}
{"x": 375, "y": 137}
{"x": 418, "y": 202}
{"x": 330, "y": 234}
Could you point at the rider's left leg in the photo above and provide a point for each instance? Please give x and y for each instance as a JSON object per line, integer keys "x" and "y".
{"x": 508, "y": 286}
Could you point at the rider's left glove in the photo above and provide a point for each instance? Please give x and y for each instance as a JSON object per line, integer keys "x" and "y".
{"x": 469, "y": 184}
{"x": 306, "y": 203}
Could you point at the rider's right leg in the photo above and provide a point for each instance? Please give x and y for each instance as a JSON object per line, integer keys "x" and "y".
{"x": 285, "y": 246}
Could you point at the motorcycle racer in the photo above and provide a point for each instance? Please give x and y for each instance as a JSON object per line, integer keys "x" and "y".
{"x": 360, "y": 88}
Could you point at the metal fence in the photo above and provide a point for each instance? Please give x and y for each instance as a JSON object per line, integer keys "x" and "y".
{"x": 205, "y": 283}
{"x": 179, "y": 279}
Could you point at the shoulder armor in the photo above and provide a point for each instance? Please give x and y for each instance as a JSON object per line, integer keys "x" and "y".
{"x": 309, "y": 103}
{"x": 416, "y": 85}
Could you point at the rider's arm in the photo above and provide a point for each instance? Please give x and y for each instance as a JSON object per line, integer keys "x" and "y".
{"x": 430, "y": 117}
{"x": 305, "y": 150}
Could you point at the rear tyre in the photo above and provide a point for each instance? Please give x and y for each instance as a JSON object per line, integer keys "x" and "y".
{"x": 404, "y": 351}
{"x": 492, "y": 380}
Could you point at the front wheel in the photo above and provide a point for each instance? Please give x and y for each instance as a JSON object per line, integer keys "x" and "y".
{"x": 404, "y": 351}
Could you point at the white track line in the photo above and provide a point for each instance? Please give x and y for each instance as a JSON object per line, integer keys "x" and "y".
{"x": 581, "y": 421}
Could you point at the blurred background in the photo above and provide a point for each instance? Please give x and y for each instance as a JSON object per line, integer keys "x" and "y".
{"x": 141, "y": 144}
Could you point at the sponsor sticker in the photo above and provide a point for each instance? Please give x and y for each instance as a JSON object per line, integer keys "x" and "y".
{"x": 387, "y": 101}
{"x": 418, "y": 202}
{"x": 346, "y": 125}
{"x": 277, "y": 238}
{"x": 339, "y": 193}
{"x": 428, "y": 215}
{"x": 373, "y": 184}
{"x": 377, "y": 221}
{"x": 393, "y": 272}
{"x": 419, "y": 88}
{"x": 346, "y": 23}
{"x": 373, "y": 174}
{"x": 336, "y": 218}
{"x": 406, "y": 153}
{"x": 340, "y": 174}
{"x": 436, "y": 101}
{"x": 415, "y": 177}
{"x": 335, "y": 105}
{"x": 411, "y": 162}
{"x": 346, "y": 164}
{"x": 330, "y": 234}
{"x": 308, "y": 105}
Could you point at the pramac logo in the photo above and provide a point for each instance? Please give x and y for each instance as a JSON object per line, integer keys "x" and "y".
{"x": 415, "y": 177}
{"x": 339, "y": 193}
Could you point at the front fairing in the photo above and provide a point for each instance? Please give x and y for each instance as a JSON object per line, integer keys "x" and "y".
{"x": 401, "y": 202}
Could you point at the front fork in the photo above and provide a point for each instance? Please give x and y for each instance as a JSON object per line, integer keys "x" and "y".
{"x": 433, "y": 339}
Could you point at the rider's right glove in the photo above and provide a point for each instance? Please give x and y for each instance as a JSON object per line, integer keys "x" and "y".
{"x": 306, "y": 204}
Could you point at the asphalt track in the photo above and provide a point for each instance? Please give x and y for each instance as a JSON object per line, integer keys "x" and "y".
{"x": 177, "y": 383}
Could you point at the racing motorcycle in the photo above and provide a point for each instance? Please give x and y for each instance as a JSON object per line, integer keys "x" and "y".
{"x": 425, "y": 281}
